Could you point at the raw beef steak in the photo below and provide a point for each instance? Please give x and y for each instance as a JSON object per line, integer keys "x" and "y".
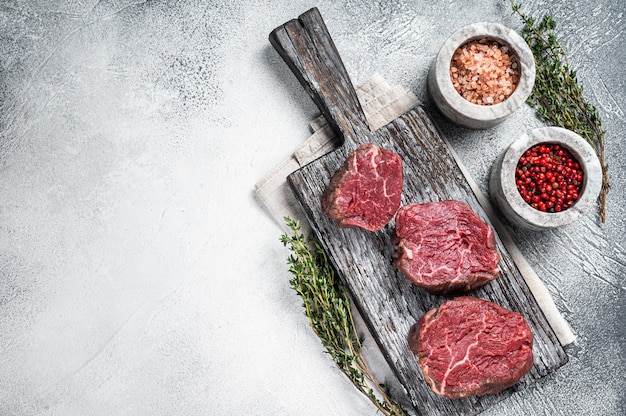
{"x": 366, "y": 189}
{"x": 471, "y": 347}
{"x": 444, "y": 247}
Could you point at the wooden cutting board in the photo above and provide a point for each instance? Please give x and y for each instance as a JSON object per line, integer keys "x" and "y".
{"x": 387, "y": 300}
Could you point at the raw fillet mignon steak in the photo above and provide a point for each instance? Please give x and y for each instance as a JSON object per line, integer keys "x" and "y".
{"x": 366, "y": 189}
{"x": 471, "y": 347}
{"x": 444, "y": 247}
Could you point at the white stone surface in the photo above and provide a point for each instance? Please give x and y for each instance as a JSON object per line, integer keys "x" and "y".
{"x": 139, "y": 276}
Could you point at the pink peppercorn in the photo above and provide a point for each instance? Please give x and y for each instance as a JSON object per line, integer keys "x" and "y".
{"x": 549, "y": 178}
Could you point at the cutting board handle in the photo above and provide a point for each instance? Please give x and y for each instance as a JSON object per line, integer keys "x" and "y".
{"x": 308, "y": 49}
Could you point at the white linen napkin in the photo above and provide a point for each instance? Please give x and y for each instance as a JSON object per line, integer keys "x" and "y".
{"x": 381, "y": 104}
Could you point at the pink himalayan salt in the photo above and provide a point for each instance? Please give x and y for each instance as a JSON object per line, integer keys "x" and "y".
{"x": 484, "y": 72}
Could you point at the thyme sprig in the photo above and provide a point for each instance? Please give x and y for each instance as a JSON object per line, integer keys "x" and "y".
{"x": 557, "y": 96}
{"x": 327, "y": 306}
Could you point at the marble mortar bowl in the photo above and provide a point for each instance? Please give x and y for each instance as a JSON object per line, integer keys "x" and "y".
{"x": 456, "y": 108}
{"x": 504, "y": 193}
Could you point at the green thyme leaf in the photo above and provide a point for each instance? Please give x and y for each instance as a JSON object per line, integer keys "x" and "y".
{"x": 327, "y": 306}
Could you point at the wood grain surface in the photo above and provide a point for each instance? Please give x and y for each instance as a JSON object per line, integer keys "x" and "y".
{"x": 388, "y": 301}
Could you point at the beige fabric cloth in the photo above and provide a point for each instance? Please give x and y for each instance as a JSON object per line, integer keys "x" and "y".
{"x": 382, "y": 103}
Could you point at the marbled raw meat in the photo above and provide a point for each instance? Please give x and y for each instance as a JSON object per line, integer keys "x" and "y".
{"x": 444, "y": 247}
{"x": 471, "y": 347}
{"x": 366, "y": 189}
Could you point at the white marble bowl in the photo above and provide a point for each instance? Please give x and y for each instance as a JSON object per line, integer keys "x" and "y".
{"x": 504, "y": 193}
{"x": 456, "y": 108}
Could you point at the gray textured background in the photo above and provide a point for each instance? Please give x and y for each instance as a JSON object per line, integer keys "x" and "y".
{"x": 139, "y": 275}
